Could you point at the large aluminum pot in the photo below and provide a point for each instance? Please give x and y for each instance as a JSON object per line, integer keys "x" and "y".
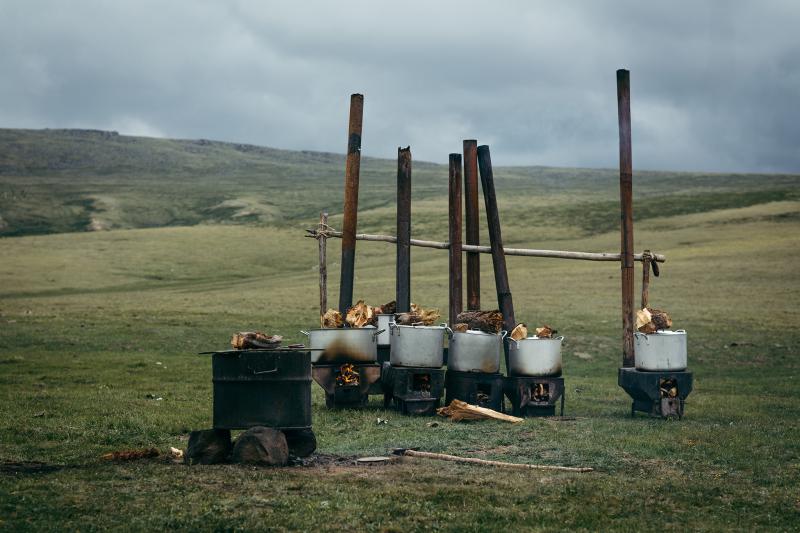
{"x": 475, "y": 351}
{"x": 417, "y": 345}
{"x": 383, "y": 325}
{"x": 535, "y": 357}
{"x": 343, "y": 345}
{"x": 662, "y": 350}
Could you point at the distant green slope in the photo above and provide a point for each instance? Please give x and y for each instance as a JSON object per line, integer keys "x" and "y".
{"x": 54, "y": 181}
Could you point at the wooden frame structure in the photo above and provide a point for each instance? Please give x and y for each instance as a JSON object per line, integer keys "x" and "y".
{"x": 477, "y": 160}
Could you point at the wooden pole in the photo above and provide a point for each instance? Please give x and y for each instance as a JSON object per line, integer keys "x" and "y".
{"x": 504, "y": 301}
{"x": 485, "y": 462}
{"x": 472, "y": 224}
{"x": 403, "y": 296}
{"x": 455, "y": 300}
{"x": 646, "y": 280}
{"x": 626, "y": 215}
{"x": 524, "y": 252}
{"x": 352, "y": 172}
{"x": 322, "y": 237}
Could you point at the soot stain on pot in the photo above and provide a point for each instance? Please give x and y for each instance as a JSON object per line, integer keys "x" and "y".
{"x": 339, "y": 352}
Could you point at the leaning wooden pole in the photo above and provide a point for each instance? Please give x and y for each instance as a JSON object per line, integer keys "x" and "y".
{"x": 626, "y": 215}
{"x": 403, "y": 295}
{"x": 504, "y": 301}
{"x": 352, "y": 171}
{"x": 471, "y": 216}
{"x": 456, "y": 283}
{"x": 322, "y": 237}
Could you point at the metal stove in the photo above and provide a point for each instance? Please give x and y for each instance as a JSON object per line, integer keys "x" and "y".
{"x": 348, "y": 384}
{"x": 415, "y": 390}
{"x": 657, "y": 393}
{"x": 476, "y": 388}
{"x": 534, "y": 395}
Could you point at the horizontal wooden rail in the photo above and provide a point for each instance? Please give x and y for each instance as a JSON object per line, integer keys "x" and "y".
{"x": 526, "y": 252}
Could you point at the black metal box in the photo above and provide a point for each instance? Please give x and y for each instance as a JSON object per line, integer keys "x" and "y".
{"x": 269, "y": 388}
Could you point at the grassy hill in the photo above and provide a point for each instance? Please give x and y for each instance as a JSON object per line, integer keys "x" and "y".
{"x": 99, "y": 334}
{"x": 55, "y": 181}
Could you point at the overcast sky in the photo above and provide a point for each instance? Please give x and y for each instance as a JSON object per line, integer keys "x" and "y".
{"x": 715, "y": 83}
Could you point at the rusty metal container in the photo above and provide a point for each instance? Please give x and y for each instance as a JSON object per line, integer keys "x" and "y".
{"x": 269, "y": 388}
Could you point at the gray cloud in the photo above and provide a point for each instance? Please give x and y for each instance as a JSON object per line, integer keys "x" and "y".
{"x": 714, "y": 83}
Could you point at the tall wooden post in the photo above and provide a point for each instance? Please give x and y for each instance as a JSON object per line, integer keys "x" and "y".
{"x": 352, "y": 172}
{"x": 646, "y": 259}
{"x": 504, "y": 301}
{"x": 403, "y": 296}
{"x": 471, "y": 215}
{"x": 454, "y": 188}
{"x": 626, "y": 215}
{"x": 323, "y": 265}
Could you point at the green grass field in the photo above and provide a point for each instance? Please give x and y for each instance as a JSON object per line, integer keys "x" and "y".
{"x": 94, "y": 325}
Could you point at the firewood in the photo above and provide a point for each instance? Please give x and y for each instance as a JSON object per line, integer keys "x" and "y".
{"x": 461, "y": 328}
{"x": 359, "y": 315}
{"x": 459, "y": 410}
{"x": 130, "y": 455}
{"x": 208, "y": 447}
{"x": 519, "y": 332}
{"x": 332, "y": 319}
{"x": 545, "y": 332}
{"x": 261, "y": 446}
{"x": 418, "y": 315}
{"x": 486, "y": 321}
{"x": 660, "y": 318}
{"x": 476, "y": 461}
{"x": 254, "y": 340}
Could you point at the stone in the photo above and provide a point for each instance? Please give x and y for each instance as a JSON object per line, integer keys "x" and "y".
{"x": 261, "y": 446}
{"x": 208, "y": 447}
{"x": 301, "y": 442}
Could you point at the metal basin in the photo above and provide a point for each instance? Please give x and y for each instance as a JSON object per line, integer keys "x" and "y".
{"x": 475, "y": 351}
{"x": 421, "y": 346}
{"x": 343, "y": 345}
{"x": 535, "y": 357}
{"x": 663, "y": 350}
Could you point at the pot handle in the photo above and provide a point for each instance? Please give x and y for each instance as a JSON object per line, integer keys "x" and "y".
{"x": 393, "y": 326}
{"x": 560, "y": 338}
{"x": 448, "y": 330}
{"x": 503, "y": 334}
{"x": 305, "y": 333}
{"x": 375, "y": 335}
{"x": 638, "y": 334}
{"x": 680, "y": 331}
{"x": 516, "y": 342}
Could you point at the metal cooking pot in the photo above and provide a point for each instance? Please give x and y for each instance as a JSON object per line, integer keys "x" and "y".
{"x": 383, "y": 325}
{"x": 475, "y": 351}
{"x": 417, "y": 345}
{"x": 535, "y": 357}
{"x": 662, "y": 350}
{"x": 343, "y": 345}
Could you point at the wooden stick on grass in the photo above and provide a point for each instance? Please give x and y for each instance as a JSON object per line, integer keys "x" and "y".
{"x": 484, "y": 462}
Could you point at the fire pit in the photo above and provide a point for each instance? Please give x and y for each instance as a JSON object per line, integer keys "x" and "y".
{"x": 535, "y": 395}
{"x": 659, "y": 394}
{"x": 476, "y": 388}
{"x": 415, "y": 390}
{"x": 348, "y": 384}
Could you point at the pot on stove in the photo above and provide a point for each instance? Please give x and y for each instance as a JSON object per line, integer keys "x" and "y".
{"x": 535, "y": 356}
{"x": 417, "y": 345}
{"x": 662, "y": 350}
{"x": 343, "y": 345}
{"x": 475, "y": 351}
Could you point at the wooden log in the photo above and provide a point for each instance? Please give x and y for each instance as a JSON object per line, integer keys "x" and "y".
{"x": 461, "y": 410}
{"x": 525, "y": 252}
{"x": 403, "y": 292}
{"x": 301, "y": 442}
{"x": 471, "y": 216}
{"x": 504, "y": 300}
{"x": 261, "y": 446}
{"x": 485, "y": 462}
{"x": 455, "y": 293}
{"x": 322, "y": 237}
{"x": 488, "y": 321}
{"x": 352, "y": 172}
{"x": 626, "y": 216}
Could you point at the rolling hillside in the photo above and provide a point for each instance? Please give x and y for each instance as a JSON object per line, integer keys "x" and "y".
{"x": 55, "y": 181}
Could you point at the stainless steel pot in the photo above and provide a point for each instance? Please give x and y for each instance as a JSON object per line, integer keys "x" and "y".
{"x": 383, "y": 325}
{"x": 475, "y": 351}
{"x": 417, "y": 345}
{"x": 343, "y": 345}
{"x": 662, "y": 350}
{"x": 535, "y": 357}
